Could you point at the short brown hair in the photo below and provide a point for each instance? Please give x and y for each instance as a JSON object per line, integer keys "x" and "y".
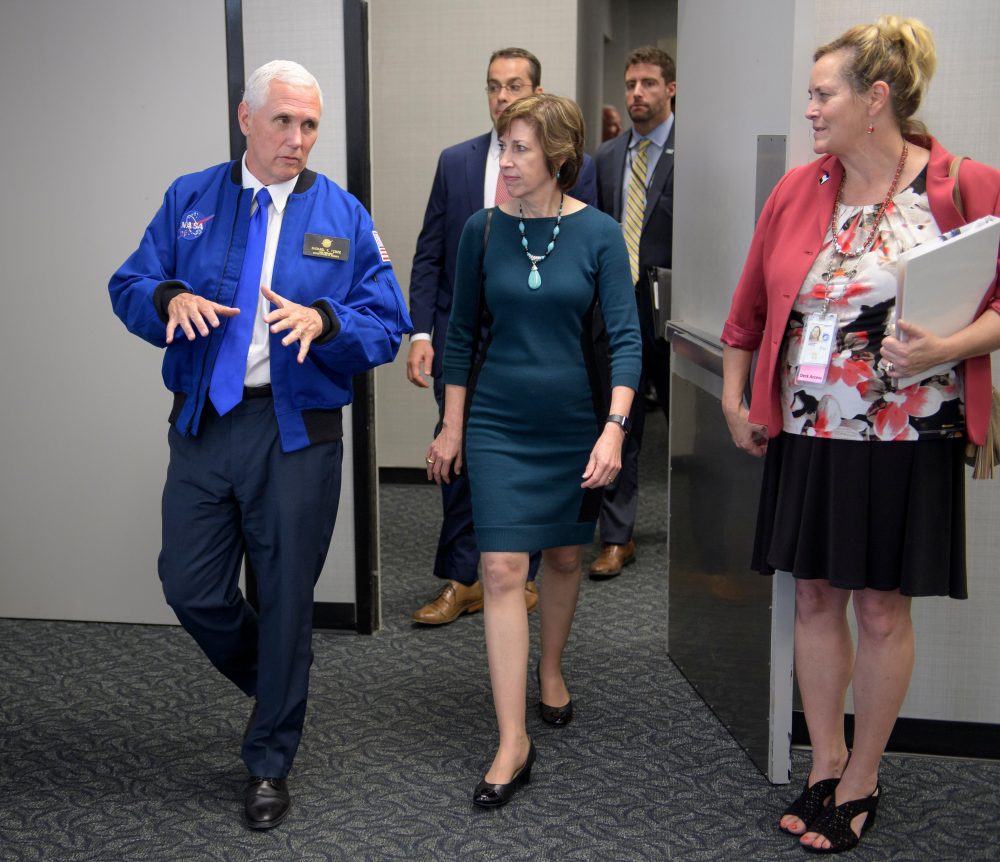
{"x": 898, "y": 51}
{"x": 655, "y": 57}
{"x": 534, "y": 67}
{"x": 559, "y": 125}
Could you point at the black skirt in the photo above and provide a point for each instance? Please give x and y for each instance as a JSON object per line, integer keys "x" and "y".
{"x": 859, "y": 514}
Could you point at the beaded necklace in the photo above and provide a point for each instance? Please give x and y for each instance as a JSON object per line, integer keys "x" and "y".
{"x": 534, "y": 276}
{"x": 835, "y": 247}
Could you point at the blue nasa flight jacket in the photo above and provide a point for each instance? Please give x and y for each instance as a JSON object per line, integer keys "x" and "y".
{"x": 196, "y": 242}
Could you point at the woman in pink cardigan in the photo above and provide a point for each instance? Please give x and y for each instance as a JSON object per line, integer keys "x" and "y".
{"x": 863, "y": 491}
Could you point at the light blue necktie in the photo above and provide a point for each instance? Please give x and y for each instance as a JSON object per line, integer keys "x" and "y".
{"x": 226, "y": 390}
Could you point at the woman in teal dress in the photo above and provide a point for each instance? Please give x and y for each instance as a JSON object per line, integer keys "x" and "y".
{"x": 542, "y": 437}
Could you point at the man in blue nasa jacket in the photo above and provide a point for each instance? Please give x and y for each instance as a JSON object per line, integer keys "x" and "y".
{"x": 255, "y": 437}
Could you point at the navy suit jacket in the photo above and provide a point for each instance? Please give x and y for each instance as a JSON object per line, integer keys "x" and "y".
{"x": 457, "y": 193}
{"x": 656, "y": 242}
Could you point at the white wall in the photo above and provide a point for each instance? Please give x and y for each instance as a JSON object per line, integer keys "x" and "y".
{"x": 428, "y": 79}
{"x": 961, "y": 108}
{"x": 101, "y": 111}
{"x": 732, "y": 85}
{"x": 628, "y": 24}
{"x": 104, "y": 103}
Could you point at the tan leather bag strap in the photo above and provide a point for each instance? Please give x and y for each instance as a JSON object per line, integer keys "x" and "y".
{"x": 956, "y": 194}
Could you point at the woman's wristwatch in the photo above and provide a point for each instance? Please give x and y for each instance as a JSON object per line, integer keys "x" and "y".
{"x": 622, "y": 421}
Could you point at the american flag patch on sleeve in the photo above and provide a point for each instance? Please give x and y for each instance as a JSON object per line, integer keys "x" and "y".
{"x": 381, "y": 248}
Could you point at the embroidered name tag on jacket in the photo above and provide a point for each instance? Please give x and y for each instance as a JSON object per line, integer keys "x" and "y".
{"x": 330, "y": 247}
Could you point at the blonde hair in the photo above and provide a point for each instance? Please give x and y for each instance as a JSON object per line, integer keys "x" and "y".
{"x": 898, "y": 51}
{"x": 559, "y": 125}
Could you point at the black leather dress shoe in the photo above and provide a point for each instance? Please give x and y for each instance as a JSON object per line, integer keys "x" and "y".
{"x": 487, "y": 795}
{"x": 266, "y": 802}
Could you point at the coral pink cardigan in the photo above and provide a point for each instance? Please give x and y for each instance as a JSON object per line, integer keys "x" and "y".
{"x": 787, "y": 239}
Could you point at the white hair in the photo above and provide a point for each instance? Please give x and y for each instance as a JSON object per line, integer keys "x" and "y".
{"x": 286, "y": 71}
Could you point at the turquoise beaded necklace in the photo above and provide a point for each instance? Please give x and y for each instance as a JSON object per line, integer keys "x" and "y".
{"x": 535, "y": 277}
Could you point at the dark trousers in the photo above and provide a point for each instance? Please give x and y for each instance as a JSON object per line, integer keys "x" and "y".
{"x": 457, "y": 552}
{"x": 230, "y": 491}
{"x": 457, "y": 556}
{"x": 621, "y": 500}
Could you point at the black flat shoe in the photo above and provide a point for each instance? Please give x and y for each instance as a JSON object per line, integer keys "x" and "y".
{"x": 557, "y": 716}
{"x": 810, "y": 803}
{"x": 834, "y": 824}
{"x": 488, "y": 795}
{"x": 266, "y": 802}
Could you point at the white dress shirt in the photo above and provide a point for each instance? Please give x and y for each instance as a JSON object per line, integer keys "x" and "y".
{"x": 259, "y": 357}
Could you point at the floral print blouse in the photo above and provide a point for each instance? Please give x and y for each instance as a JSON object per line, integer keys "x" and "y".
{"x": 858, "y": 400}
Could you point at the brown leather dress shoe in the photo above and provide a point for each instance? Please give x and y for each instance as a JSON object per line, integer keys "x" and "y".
{"x": 454, "y": 600}
{"x": 612, "y": 559}
{"x": 530, "y": 596}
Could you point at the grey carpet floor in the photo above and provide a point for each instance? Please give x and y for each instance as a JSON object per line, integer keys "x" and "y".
{"x": 121, "y": 743}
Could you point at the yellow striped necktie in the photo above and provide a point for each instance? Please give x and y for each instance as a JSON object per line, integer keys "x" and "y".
{"x": 635, "y": 206}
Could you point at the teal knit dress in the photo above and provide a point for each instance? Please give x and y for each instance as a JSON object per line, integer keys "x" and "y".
{"x": 535, "y": 402}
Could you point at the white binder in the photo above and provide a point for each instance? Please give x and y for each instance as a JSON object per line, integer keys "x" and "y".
{"x": 941, "y": 283}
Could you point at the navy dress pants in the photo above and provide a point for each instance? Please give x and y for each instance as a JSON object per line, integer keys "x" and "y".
{"x": 230, "y": 491}
{"x": 457, "y": 556}
{"x": 620, "y": 504}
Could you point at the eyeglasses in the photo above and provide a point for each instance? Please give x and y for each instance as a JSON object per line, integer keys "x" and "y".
{"x": 514, "y": 87}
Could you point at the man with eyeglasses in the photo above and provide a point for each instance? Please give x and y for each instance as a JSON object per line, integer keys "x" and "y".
{"x": 467, "y": 179}
{"x": 636, "y": 187}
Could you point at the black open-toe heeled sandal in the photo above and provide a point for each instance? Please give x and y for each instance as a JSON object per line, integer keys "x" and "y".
{"x": 834, "y": 823}
{"x": 810, "y": 803}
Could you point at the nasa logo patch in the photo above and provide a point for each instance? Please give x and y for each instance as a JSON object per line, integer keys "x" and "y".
{"x": 192, "y": 225}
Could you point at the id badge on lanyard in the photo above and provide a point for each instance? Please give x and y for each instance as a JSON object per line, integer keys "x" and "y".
{"x": 819, "y": 335}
